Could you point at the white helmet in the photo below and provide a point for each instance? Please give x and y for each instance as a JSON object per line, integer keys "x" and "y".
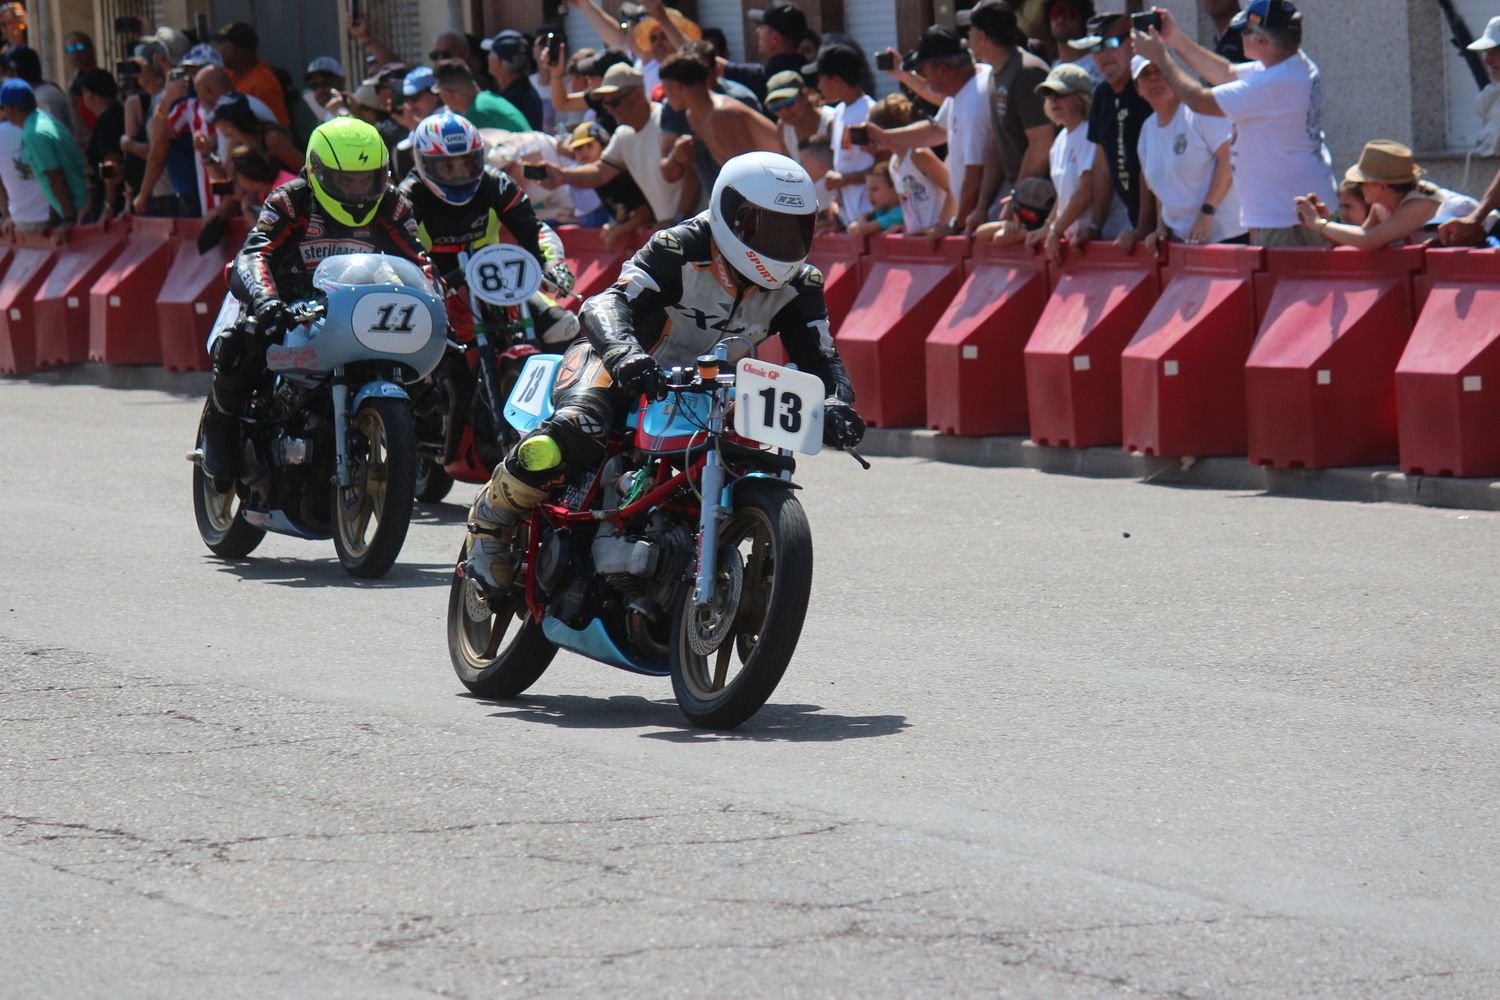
{"x": 762, "y": 213}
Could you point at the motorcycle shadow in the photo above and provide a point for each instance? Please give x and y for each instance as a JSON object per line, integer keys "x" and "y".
{"x": 773, "y": 723}
{"x": 442, "y": 512}
{"x": 288, "y": 572}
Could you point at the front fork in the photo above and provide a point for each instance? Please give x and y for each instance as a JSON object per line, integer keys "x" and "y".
{"x": 340, "y": 430}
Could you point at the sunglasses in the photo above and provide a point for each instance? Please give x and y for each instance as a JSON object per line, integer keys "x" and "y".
{"x": 781, "y": 105}
{"x": 615, "y": 102}
{"x": 437, "y": 54}
{"x": 1113, "y": 42}
{"x": 75, "y": 47}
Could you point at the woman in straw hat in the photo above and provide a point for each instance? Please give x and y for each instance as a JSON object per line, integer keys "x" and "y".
{"x": 653, "y": 31}
{"x": 1402, "y": 205}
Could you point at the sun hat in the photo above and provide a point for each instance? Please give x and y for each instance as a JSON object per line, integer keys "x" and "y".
{"x": 1384, "y": 161}
{"x": 641, "y": 33}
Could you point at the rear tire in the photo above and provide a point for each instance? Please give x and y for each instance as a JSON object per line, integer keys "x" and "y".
{"x": 383, "y": 479}
{"x": 485, "y": 663}
{"x": 220, "y": 516}
{"x": 433, "y": 483}
{"x": 766, "y": 554}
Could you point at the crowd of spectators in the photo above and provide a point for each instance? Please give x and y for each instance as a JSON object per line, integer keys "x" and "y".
{"x": 1039, "y": 121}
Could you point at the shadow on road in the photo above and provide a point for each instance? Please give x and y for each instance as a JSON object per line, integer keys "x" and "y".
{"x": 285, "y": 572}
{"x": 440, "y": 513}
{"x": 773, "y": 723}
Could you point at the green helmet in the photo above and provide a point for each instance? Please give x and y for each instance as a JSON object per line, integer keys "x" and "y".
{"x": 346, "y": 166}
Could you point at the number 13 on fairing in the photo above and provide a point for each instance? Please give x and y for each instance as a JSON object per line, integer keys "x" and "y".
{"x": 777, "y": 406}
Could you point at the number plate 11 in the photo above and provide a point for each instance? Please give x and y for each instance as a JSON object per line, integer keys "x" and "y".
{"x": 777, "y": 406}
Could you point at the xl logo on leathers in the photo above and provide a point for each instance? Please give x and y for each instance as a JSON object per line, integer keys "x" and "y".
{"x": 708, "y": 322}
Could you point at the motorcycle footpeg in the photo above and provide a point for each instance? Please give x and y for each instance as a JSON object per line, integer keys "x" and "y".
{"x": 195, "y": 456}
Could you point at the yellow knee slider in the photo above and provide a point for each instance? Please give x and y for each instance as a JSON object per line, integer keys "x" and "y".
{"x": 539, "y": 453}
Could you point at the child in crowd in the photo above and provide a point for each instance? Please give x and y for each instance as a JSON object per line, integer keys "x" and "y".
{"x": 885, "y": 201}
{"x": 816, "y": 155}
{"x": 919, "y": 177}
{"x": 1353, "y": 208}
{"x": 623, "y": 208}
{"x": 1025, "y": 211}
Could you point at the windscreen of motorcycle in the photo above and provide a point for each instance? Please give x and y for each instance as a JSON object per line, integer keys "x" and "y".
{"x": 347, "y": 270}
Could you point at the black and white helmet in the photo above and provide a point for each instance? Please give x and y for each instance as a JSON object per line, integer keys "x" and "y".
{"x": 762, "y": 213}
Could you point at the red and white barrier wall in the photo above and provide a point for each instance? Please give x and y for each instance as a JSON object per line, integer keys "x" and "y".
{"x": 1294, "y": 358}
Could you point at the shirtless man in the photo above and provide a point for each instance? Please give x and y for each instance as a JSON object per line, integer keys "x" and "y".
{"x": 723, "y": 128}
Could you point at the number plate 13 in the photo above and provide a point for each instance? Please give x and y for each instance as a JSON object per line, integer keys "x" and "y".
{"x": 777, "y": 406}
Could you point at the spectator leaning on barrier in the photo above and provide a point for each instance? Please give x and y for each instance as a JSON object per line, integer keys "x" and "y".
{"x": 1276, "y": 107}
{"x": 27, "y": 65}
{"x": 458, "y": 91}
{"x": 1184, "y": 169}
{"x": 23, "y": 204}
{"x": 638, "y": 148}
{"x": 1020, "y": 134}
{"x": 78, "y": 52}
{"x": 510, "y": 66}
{"x": 885, "y": 215}
{"x": 1228, "y": 37}
{"x": 839, "y": 71}
{"x": 790, "y": 100}
{"x": 919, "y": 178}
{"x": 106, "y": 163}
{"x": 239, "y": 47}
{"x": 136, "y": 141}
{"x": 49, "y": 152}
{"x": 1403, "y": 207}
{"x": 1074, "y": 158}
{"x": 1115, "y": 118}
{"x": 721, "y": 127}
{"x": 623, "y": 209}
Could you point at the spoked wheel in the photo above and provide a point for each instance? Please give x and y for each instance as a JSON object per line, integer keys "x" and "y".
{"x": 728, "y": 656}
{"x": 372, "y": 515}
{"x": 432, "y": 482}
{"x": 498, "y": 649}
{"x": 221, "y": 520}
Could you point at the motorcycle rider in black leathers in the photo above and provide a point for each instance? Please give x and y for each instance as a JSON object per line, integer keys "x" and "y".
{"x": 462, "y": 204}
{"x": 343, "y": 203}
{"x": 738, "y": 269}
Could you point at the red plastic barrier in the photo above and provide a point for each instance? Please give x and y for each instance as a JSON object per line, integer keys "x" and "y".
{"x": 1073, "y": 357}
{"x": 1182, "y": 379}
{"x": 191, "y": 295}
{"x": 62, "y": 305}
{"x": 28, "y": 262}
{"x": 976, "y": 377}
{"x": 1320, "y": 387}
{"x": 838, "y": 256}
{"x": 1448, "y": 380}
{"x": 595, "y": 267}
{"x": 122, "y": 306}
{"x": 882, "y": 340}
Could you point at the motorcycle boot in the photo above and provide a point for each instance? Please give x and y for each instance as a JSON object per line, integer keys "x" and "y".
{"x": 495, "y": 518}
{"x": 233, "y": 377}
{"x": 555, "y": 326}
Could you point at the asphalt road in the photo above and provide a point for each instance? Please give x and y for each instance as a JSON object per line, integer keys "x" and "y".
{"x": 1044, "y": 737}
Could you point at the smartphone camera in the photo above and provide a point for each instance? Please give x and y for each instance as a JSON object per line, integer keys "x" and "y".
{"x": 554, "y": 47}
{"x": 534, "y": 172}
{"x": 1145, "y": 22}
{"x": 859, "y": 135}
{"x": 885, "y": 61}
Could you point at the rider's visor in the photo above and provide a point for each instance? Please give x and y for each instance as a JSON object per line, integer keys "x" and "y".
{"x": 352, "y": 187}
{"x": 777, "y": 235}
{"x": 456, "y": 171}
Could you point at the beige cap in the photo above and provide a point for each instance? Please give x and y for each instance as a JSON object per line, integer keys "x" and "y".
{"x": 1067, "y": 78}
{"x": 620, "y": 76}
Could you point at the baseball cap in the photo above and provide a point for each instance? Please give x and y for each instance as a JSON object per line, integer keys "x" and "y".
{"x": 509, "y": 45}
{"x": 1265, "y": 14}
{"x": 417, "y": 81}
{"x": 1100, "y": 27}
{"x": 938, "y": 41}
{"x": 1065, "y": 79}
{"x": 587, "y": 132}
{"x": 840, "y": 61}
{"x": 784, "y": 18}
{"x": 234, "y": 108}
{"x": 1033, "y": 201}
{"x": 1138, "y": 64}
{"x": 17, "y": 93}
{"x": 325, "y": 64}
{"x": 1489, "y": 39}
{"x": 173, "y": 42}
{"x": 995, "y": 18}
{"x": 620, "y": 76}
{"x": 239, "y": 33}
{"x": 784, "y": 86}
{"x": 202, "y": 55}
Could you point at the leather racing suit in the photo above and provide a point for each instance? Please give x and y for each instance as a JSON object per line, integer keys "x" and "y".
{"x": 448, "y": 230}
{"x": 675, "y": 299}
{"x": 291, "y": 238}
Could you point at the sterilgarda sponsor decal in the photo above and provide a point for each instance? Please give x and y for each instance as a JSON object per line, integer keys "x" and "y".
{"x": 315, "y": 251}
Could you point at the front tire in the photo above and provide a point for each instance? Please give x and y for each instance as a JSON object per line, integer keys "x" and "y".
{"x": 220, "y": 516}
{"x": 485, "y": 663}
{"x": 372, "y": 516}
{"x": 764, "y": 581}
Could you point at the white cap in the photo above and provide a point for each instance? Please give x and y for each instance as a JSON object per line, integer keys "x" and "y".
{"x": 1489, "y": 39}
{"x": 1138, "y": 66}
{"x": 325, "y": 64}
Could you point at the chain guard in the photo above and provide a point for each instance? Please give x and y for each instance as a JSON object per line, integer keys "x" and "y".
{"x": 705, "y": 637}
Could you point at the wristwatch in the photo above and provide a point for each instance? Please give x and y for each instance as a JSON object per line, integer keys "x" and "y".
{"x": 1207, "y": 209}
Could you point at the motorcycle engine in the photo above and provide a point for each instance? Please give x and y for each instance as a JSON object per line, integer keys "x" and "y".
{"x": 646, "y": 569}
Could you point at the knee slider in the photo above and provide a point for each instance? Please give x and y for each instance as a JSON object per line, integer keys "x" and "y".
{"x": 579, "y": 434}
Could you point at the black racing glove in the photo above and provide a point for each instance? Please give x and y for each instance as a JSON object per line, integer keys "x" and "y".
{"x": 272, "y": 317}
{"x": 843, "y": 427}
{"x": 640, "y": 374}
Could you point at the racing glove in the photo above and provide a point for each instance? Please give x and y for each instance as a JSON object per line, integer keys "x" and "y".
{"x": 272, "y": 316}
{"x": 843, "y": 427}
{"x": 559, "y": 276}
{"x": 640, "y": 374}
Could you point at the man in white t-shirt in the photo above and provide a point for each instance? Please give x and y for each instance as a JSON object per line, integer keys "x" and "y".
{"x": 1274, "y": 102}
{"x": 963, "y": 121}
{"x": 638, "y": 147}
{"x": 840, "y": 71}
{"x": 25, "y": 206}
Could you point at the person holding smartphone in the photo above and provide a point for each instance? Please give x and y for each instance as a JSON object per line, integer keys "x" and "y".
{"x": 106, "y": 163}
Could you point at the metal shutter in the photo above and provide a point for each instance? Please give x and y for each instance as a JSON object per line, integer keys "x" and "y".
{"x": 873, "y": 25}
